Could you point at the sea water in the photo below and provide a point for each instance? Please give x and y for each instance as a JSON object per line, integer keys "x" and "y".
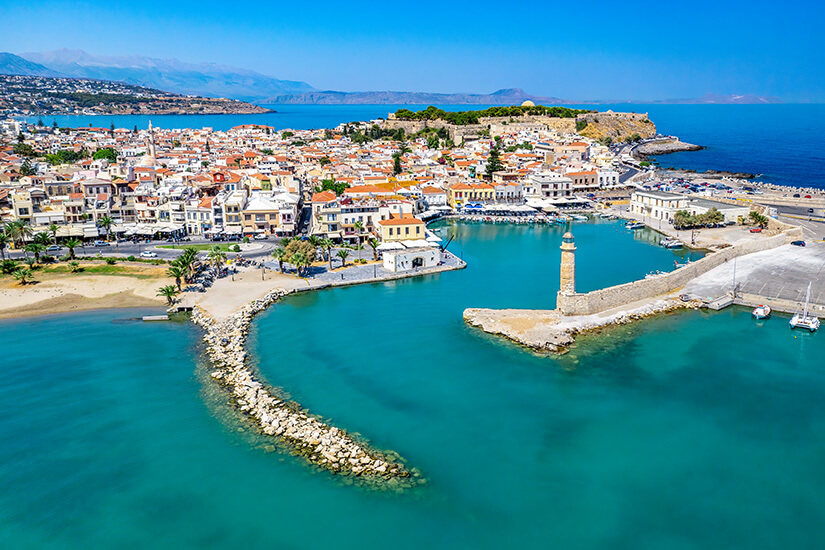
{"x": 688, "y": 430}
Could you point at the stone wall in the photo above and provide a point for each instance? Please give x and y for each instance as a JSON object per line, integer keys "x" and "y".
{"x": 615, "y": 296}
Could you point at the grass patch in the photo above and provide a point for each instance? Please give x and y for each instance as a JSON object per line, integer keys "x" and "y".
{"x": 106, "y": 269}
{"x": 198, "y": 247}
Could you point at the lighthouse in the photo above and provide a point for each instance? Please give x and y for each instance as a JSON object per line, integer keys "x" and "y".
{"x": 567, "y": 281}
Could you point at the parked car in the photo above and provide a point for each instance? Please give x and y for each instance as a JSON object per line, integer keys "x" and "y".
{"x": 54, "y": 248}
{"x": 798, "y": 243}
{"x": 808, "y": 196}
{"x": 796, "y": 195}
{"x": 260, "y": 237}
{"x": 756, "y": 230}
{"x": 101, "y": 243}
{"x": 810, "y": 210}
{"x": 147, "y": 254}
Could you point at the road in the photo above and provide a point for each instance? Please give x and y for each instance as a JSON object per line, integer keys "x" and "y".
{"x": 257, "y": 249}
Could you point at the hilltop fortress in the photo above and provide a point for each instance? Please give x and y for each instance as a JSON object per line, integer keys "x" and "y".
{"x": 595, "y": 125}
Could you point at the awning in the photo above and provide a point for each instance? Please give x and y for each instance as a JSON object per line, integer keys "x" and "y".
{"x": 390, "y": 246}
{"x": 233, "y": 230}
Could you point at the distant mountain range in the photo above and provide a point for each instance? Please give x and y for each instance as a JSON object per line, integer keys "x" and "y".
{"x": 15, "y": 65}
{"x": 171, "y": 75}
{"x": 509, "y": 96}
{"x": 212, "y": 80}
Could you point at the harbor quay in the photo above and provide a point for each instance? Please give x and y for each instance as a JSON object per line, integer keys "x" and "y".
{"x": 771, "y": 271}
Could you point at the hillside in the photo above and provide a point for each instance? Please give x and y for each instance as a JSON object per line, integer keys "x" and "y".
{"x": 36, "y": 95}
{"x": 203, "y": 79}
{"x": 11, "y": 64}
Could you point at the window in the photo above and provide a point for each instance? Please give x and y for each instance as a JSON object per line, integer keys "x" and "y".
{"x": 407, "y": 231}
{"x": 390, "y": 231}
{"x": 417, "y": 230}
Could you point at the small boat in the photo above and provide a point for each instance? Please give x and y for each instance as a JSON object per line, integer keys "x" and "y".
{"x": 671, "y": 243}
{"x": 634, "y": 225}
{"x": 579, "y": 217}
{"x": 761, "y": 312}
{"x": 654, "y": 274}
{"x": 804, "y": 321}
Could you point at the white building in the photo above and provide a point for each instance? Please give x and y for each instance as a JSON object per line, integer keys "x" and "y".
{"x": 411, "y": 258}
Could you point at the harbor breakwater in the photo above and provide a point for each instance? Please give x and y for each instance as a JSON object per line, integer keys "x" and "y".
{"x": 548, "y": 331}
{"x": 327, "y": 447}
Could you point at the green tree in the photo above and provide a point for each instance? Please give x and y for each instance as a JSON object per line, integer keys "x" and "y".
{"x": 71, "y": 244}
{"x": 359, "y": 227}
{"x": 106, "y": 223}
{"x": 178, "y": 273}
{"x": 374, "y": 245}
{"x": 494, "y": 161}
{"x": 169, "y": 292}
{"x": 280, "y": 255}
{"x": 53, "y": 229}
{"x": 26, "y": 169}
{"x": 216, "y": 256}
{"x": 107, "y": 153}
{"x": 338, "y": 187}
{"x": 396, "y": 164}
{"x": 18, "y": 230}
{"x": 36, "y": 249}
{"x": 4, "y": 242}
{"x": 9, "y": 266}
{"x": 683, "y": 218}
{"x": 327, "y": 244}
{"x": 343, "y": 254}
{"x": 74, "y": 267}
{"x": 23, "y": 275}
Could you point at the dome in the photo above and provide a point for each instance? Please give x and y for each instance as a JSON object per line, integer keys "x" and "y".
{"x": 568, "y": 236}
{"x": 528, "y": 103}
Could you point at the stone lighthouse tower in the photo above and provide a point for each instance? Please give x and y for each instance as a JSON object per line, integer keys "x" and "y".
{"x": 567, "y": 281}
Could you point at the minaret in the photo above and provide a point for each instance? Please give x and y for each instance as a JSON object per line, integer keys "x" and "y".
{"x": 567, "y": 282}
{"x": 151, "y": 141}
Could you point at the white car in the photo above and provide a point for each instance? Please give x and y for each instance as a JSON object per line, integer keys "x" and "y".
{"x": 260, "y": 237}
{"x": 148, "y": 254}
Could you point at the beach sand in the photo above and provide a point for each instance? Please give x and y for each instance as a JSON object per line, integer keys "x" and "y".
{"x": 65, "y": 292}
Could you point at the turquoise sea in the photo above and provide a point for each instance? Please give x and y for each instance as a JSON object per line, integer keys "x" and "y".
{"x": 690, "y": 430}
{"x": 778, "y": 142}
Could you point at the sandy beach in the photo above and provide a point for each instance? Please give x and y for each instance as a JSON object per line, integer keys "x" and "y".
{"x": 66, "y": 292}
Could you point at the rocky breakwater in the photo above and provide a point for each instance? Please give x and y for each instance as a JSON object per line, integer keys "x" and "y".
{"x": 663, "y": 147}
{"x": 327, "y": 447}
{"x": 550, "y": 331}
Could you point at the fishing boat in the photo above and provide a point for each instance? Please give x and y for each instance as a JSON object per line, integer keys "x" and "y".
{"x": 761, "y": 312}
{"x": 804, "y": 321}
{"x": 671, "y": 243}
{"x": 634, "y": 225}
{"x": 579, "y": 217}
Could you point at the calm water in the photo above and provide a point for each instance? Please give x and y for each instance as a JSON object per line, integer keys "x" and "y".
{"x": 780, "y": 142}
{"x": 686, "y": 431}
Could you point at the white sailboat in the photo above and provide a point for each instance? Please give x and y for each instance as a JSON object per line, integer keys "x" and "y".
{"x": 804, "y": 321}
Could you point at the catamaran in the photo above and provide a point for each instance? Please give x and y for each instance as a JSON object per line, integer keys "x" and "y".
{"x": 804, "y": 321}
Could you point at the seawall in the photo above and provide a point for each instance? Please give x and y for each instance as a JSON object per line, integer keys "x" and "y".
{"x": 644, "y": 289}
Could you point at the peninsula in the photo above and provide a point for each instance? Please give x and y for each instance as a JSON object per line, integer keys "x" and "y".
{"x": 40, "y": 95}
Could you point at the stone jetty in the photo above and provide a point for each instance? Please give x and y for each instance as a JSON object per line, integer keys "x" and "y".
{"x": 325, "y": 446}
{"x": 550, "y": 331}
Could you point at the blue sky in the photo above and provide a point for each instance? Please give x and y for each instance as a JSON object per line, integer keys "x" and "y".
{"x": 588, "y": 50}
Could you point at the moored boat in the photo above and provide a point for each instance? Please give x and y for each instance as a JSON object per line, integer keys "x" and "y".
{"x": 761, "y": 312}
{"x": 804, "y": 320}
{"x": 634, "y": 225}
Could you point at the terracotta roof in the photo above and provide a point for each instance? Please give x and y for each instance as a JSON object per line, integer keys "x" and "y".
{"x": 406, "y": 220}
{"x": 324, "y": 196}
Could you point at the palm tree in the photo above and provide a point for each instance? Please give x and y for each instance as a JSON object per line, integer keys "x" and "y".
{"x": 217, "y": 256}
{"x": 285, "y": 241}
{"x": 106, "y": 223}
{"x": 343, "y": 254}
{"x": 71, "y": 244}
{"x": 74, "y": 267}
{"x": 280, "y": 255}
{"x": 359, "y": 247}
{"x": 42, "y": 238}
{"x": 53, "y": 229}
{"x": 18, "y": 230}
{"x": 326, "y": 244}
{"x": 374, "y": 245}
{"x": 178, "y": 272}
{"x": 360, "y": 227}
{"x": 36, "y": 249}
{"x": 169, "y": 292}
{"x": 314, "y": 240}
{"x": 23, "y": 275}
{"x": 8, "y": 267}
{"x": 300, "y": 261}
{"x": 4, "y": 242}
